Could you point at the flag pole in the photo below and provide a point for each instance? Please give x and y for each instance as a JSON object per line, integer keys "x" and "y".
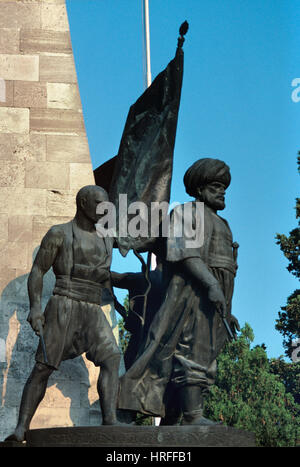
{"x": 147, "y": 84}
{"x": 148, "y": 79}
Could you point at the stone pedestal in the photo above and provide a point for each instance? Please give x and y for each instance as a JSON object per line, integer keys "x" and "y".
{"x": 12, "y": 444}
{"x": 141, "y": 436}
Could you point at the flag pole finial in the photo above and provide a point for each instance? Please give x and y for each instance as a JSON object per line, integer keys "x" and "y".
{"x": 182, "y": 32}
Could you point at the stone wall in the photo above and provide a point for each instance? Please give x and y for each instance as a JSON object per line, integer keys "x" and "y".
{"x": 44, "y": 160}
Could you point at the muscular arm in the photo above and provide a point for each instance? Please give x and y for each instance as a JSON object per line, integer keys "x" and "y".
{"x": 128, "y": 280}
{"x": 42, "y": 263}
{"x": 119, "y": 280}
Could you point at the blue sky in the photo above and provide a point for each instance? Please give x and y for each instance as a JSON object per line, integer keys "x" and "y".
{"x": 240, "y": 60}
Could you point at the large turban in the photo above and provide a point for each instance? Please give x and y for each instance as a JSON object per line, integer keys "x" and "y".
{"x": 205, "y": 171}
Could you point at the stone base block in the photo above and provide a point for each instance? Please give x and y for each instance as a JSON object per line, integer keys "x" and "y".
{"x": 141, "y": 436}
{"x": 12, "y": 444}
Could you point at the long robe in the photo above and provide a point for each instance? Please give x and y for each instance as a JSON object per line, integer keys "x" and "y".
{"x": 187, "y": 334}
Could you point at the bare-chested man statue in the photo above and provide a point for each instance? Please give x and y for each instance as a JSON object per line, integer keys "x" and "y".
{"x": 73, "y": 322}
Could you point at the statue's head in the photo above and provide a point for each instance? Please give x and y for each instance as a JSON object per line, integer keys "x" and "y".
{"x": 207, "y": 180}
{"x": 87, "y": 200}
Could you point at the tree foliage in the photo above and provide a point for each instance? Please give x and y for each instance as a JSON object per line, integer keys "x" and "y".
{"x": 250, "y": 396}
{"x": 288, "y": 323}
{"x": 124, "y": 335}
{"x": 289, "y": 373}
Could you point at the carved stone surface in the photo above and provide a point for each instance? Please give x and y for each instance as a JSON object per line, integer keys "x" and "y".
{"x": 141, "y": 436}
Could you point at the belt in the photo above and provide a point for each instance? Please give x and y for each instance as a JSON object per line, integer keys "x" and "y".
{"x": 78, "y": 289}
{"x": 222, "y": 262}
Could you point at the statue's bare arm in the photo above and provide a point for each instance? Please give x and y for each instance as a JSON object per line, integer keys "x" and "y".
{"x": 119, "y": 280}
{"x": 44, "y": 260}
{"x": 128, "y": 280}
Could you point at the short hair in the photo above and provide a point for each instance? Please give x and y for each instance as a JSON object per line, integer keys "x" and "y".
{"x": 205, "y": 171}
{"x": 86, "y": 191}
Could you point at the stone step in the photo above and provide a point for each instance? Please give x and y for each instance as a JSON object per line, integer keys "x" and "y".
{"x": 141, "y": 436}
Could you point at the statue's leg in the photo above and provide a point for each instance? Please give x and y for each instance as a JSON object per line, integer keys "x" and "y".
{"x": 33, "y": 393}
{"x": 127, "y": 417}
{"x": 173, "y": 417}
{"x": 192, "y": 406}
{"x": 173, "y": 411}
{"x": 108, "y": 388}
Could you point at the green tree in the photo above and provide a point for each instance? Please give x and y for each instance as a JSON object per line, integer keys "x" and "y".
{"x": 124, "y": 335}
{"x": 290, "y": 375}
{"x": 288, "y": 323}
{"x": 249, "y": 396}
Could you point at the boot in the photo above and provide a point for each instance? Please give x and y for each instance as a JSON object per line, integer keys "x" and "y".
{"x": 192, "y": 407}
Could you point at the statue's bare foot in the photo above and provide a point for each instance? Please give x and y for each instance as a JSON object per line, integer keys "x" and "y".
{"x": 18, "y": 435}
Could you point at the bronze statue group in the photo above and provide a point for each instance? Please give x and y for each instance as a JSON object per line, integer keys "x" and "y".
{"x": 171, "y": 357}
{"x": 178, "y": 332}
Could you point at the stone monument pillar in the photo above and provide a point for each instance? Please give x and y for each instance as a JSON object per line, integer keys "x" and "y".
{"x": 44, "y": 160}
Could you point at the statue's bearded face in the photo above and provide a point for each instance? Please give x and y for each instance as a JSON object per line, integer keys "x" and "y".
{"x": 213, "y": 195}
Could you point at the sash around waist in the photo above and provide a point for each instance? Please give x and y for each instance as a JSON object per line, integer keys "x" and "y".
{"x": 78, "y": 289}
{"x": 222, "y": 262}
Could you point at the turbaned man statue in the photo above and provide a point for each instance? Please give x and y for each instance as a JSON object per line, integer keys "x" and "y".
{"x": 176, "y": 363}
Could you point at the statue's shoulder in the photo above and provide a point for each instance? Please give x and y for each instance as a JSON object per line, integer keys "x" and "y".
{"x": 58, "y": 232}
{"x": 61, "y": 228}
{"x": 224, "y": 221}
{"x": 213, "y": 216}
{"x": 223, "y": 226}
